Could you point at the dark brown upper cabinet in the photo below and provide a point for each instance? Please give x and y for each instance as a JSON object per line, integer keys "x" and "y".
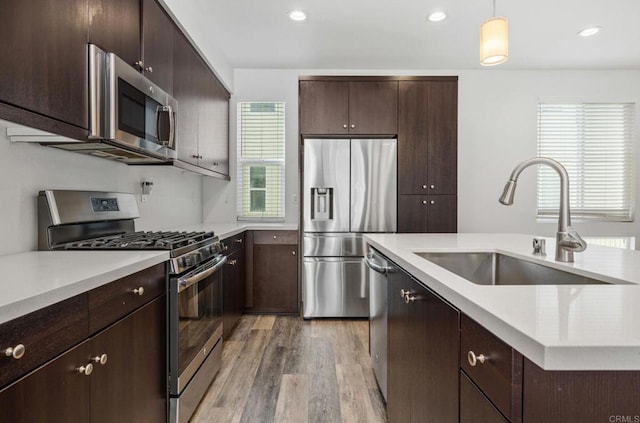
{"x": 139, "y": 32}
{"x": 114, "y": 26}
{"x": 427, "y": 137}
{"x": 157, "y": 45}
{"x": 44, "y": 65}
{"x": 203, "y": 113}
{"x": 340, "y": 107}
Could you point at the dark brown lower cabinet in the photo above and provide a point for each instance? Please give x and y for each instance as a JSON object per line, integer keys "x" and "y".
{"x": 233, "y": 291}
{"x": 428, "y": 213}
{"x": 56, "y": 391}
{"x": 423, "y": 347}
{"x": 580, "y": 396}
{"x": 131, "y": 385}
{"x": 272, "y": 279}
{"x": 474, "y": 406}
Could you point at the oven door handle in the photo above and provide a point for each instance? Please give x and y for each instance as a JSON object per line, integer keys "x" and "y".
{"x": 186, "y": 282}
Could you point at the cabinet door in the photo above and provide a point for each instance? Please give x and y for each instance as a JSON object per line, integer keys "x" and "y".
{"x": 132, "y": 385}
{"x": 399, "y": 366}
{"x": 427, "y": 137}
{"x": 474, "y": 406}
{"x": 186, "y": 88}
{"x": 157, "y": 45}
{"x": 324, "y": 107}
{"x": 54, "y": 392}
{"x": 114, "y": 26}
{"x": 427, "y": 213}
{"x": 231, "y": 310}
{"x": 43, "y": 59}
{"x": 373, "y": 108}
{"x": 213, "y": 124}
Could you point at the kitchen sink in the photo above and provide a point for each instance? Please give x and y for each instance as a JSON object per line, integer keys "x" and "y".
{"x": 486, "y": 268}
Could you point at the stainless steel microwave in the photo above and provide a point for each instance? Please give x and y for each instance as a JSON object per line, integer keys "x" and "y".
{"x": 128, "y": 111}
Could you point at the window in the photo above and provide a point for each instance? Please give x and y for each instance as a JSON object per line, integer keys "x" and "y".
{"x": 594, "y": 142}
{"x": 261, "y": 161}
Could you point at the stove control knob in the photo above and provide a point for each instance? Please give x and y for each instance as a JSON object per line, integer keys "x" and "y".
{"x": 188, "y": 261}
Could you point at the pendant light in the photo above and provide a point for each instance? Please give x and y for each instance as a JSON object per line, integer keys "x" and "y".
{"x": 494, "y": 40}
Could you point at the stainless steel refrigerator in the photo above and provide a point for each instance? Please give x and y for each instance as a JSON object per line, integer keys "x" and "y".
{"x": 349, "y": 189}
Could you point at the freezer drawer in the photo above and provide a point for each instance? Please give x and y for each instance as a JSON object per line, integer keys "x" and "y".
{"x": 333, "y": 245}
{"x": 335, "y": 287}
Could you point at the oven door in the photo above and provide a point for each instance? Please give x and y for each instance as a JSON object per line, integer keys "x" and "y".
{"x": 195, "y": 325}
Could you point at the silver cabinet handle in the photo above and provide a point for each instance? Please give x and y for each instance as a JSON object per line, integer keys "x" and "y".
{"x": 432, "y": 186}
{"x": 408, "y": 298}
{"x": 16, "y": 352}
{"x": 432, "y": 202}
{"x": 404, "y": 293}
{"x": 473, "y": 359}
{"x": 293, "y": 253}
{"x": 102, "y": 359}
{"x": 85, "y": 370}
{"x": 353, "y": 126}
{"x": 232, "y": 262}
{"x": 239, "y": 240}
{"x": 344, "y": 126}
{"x": 139, "y": 291}
{"x": 140, "y": 64}
{"x": 149, "y": 69}
{"x": 424, "y": 201}
{"x": 275, "y": 237}
{"x": 424, "y": 187}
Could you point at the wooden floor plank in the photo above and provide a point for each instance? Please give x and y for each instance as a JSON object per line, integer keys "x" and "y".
{"x": 286, "y": 369}
{"x": 293, "y": 400}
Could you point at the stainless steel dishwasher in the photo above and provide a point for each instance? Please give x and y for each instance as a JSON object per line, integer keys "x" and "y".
{"x": 377, "y": 274}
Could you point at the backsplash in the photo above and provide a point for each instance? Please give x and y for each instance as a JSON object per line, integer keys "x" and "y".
{"x": 27, "y": 168}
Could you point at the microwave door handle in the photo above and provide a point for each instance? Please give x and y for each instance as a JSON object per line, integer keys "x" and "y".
{"x": 169, "y": 141}
{"x": 186, "y": 282}
{"x": 172, "y": 125}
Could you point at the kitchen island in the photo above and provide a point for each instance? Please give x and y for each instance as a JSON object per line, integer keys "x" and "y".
{"x": 527, "y": 353}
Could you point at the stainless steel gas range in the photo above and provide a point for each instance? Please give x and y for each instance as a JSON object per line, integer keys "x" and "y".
{"x": 88, "y": 220}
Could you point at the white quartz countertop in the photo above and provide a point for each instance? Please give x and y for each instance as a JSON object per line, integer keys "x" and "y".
{"x": 37, "y": 279}
{"x": 558, "y": 327}
{"x": 225, "y": 230}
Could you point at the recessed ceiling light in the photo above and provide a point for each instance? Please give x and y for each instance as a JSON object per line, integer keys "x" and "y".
{"x": 587, "y": 32}
{"x": 437, "y": 16}
{"x": 297, "y": 15}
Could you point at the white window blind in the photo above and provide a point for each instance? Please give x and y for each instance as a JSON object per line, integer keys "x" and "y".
{"x": 594, "y": 142}
{"x": 261, "y": 161}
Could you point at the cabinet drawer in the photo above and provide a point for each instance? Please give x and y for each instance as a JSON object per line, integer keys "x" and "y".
{"x": 44, "y": 333}
{"x": 500, "y": 376}
{"x": 233, "y": 243}
{"x": 474, "y": 406}
{"x": 275, "y": 237}
{"x": 110, "y": 302}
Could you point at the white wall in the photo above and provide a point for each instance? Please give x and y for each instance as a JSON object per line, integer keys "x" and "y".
{"x": 27, "y": 168}
{"x": 496, "y": 130}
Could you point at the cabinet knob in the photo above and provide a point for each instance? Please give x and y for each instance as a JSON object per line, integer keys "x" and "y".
{"x": 432, "y": 186}
{"x": 102, "y": 359}
{"x": 474, "y": 359}
{"x": 344, "y": 126}
{"x": 139, "y": 64}
{"x": 16, "y": 352}
{"x": 424, "y": 187}
{"x": 432, "y": 202}
{"x": 232, "y": 262}
{"x": 139, "y": 291}
{"x": 293, "y": 253}
{"x": 85, "y": 370}
{"x": 424, "y": 201}
{"x": 239, "y": 240}
{"x": 149, "y": 69}
{"x": 404, "y": 292}
{"x": 275, "y": 237}
{"x": 215, "y": 163}
{"x": 408, "y": 298}
{"x": 353, "y": 126}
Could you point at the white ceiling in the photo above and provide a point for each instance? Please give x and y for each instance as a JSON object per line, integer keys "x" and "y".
{"x": 394, "y": 34}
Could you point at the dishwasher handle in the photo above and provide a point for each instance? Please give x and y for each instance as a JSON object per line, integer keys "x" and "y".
{"x": 371, "y": 264}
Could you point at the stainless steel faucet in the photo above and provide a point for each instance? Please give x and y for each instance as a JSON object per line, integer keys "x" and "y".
{"x": 567, "y": 239}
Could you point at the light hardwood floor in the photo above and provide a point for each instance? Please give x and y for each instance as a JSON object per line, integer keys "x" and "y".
{"x": 285, "y": 369}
